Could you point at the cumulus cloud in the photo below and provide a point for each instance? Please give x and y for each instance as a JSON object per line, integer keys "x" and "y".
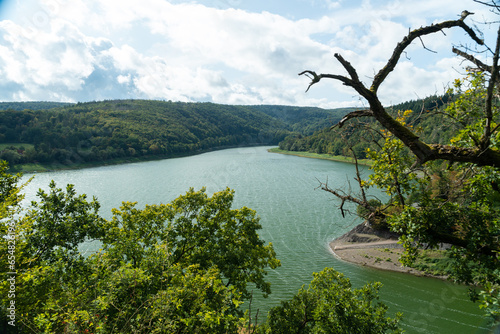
{"x": 198, "y": 51}
{"x": 47, "y": 59}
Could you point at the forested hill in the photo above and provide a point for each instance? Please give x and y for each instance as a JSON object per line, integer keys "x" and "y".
{"x": 125, "y": 129}
{"x": 303, "y": 120}
{"x": 32, "y": 105}
{"x": 340, "y": 141}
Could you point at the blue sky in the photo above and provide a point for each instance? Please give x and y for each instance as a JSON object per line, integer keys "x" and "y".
{"x": 222, "y": 51}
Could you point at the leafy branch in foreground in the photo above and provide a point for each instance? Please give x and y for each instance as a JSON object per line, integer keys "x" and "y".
{"x": 181, "y": 267}
{"x": 331, "y": 305}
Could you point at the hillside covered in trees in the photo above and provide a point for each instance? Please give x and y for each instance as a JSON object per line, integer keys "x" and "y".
{"x": 123, "y": 129}
{"x": 32, "y": 105}
{"x": 364, "y": 133}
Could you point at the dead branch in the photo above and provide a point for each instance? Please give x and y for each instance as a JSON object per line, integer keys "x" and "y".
{"x": 492, "y": 4}
{"x": 482, "y": 156}
{"x": 353, "y": 81}
{"x": 345, "y": 197}
{"x": 482, "y": 66}
{"x": 315, "y": 78}
{"x": 418, "y": 33}
{"x": 423, "y": 45}
{"x": 358, "y": 177}
{"x": 353, "y": 114}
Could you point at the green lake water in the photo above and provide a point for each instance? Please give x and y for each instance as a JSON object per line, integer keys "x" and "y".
{"x": 296, "y": 217}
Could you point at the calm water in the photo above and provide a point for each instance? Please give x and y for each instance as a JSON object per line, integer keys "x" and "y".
{"x": 296, "y": 217}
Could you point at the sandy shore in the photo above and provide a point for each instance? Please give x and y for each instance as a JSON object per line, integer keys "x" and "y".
{"x": 367, "y": 247}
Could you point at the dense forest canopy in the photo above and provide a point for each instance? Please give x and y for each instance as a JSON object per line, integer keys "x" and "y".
{"x": 32, "y": 105}
{"x": 100, "y": 131}
{"x": 360, "y": 136}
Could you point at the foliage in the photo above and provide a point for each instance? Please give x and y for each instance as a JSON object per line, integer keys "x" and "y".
{"x": 466, "y": 216}
{"x": 459, "y": 205}
{"x": 360, "y": 136}
{"x": 32, "y": 105}
{"x": 434, "y": 262}
{"x": 133, "y": 129}
{"x": 467, "y": 111}
{"x": 198, "y": 230}
{"x": 181, "y": 267}
{"x": 59, "y": 222}
{"x": 392, "y": 167}
{"x": 331, "y": 305}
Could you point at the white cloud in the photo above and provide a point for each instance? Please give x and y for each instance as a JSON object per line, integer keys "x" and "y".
{"x": 123, "y": 79}
{"x": 90, "y": 50}
{"x": 57, "y": 56}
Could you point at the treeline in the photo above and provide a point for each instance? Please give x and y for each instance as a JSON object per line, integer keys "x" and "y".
{"x": 304, "y": 120}
{"x": 101, "y": 131}
{"x": 32, "y": 105}
{"x": 424, "y": 117}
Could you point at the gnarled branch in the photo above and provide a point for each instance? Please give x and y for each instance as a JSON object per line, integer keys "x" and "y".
{"x": 353, "y": 81}
{"x": 482, "y": 66}
{"x": 345, "y": 197}
{"x": 353, "y": 114}
{"x": 483, "y": 156}
{"x": 418, "y": 33}
{"x": 315, "y": 78}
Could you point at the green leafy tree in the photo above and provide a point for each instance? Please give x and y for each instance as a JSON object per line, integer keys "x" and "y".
{"x": 42, "y": 244}
{"x": 465, "y": 212}
{"x": 198, "y": 230}
{"x": 392, "y": 166}
{"x": 181, "y": 267}
{"x": 60, "y": 221}
{"x": 331, "y": 305}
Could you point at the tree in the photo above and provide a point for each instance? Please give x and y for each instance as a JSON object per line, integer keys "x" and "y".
{"x": 331, "y": 305}
{"x": 198, "y": 230}
{"x": 59, "y": 222}
{"x": 481, "y": 154}
{"x": 181, "y": 267}
{"x": 467, "y": 214}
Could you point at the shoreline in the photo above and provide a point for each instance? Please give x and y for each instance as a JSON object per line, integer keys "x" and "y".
{"x": 364, "y": 246}
{"x": 338, "y": 158}
{"x": 33, "y": 168}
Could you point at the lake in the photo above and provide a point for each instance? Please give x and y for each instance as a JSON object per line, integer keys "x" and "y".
{"x": 296, "y": 217}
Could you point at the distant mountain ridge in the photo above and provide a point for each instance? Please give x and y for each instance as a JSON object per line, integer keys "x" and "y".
{"x": 93, "y": 132}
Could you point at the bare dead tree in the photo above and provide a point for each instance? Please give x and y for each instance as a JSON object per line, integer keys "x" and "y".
{"x": 360, "y": 198}
{"x": 482, "y": 154}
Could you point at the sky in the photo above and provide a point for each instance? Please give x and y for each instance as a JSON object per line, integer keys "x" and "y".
{"x": 225, "y": 51}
